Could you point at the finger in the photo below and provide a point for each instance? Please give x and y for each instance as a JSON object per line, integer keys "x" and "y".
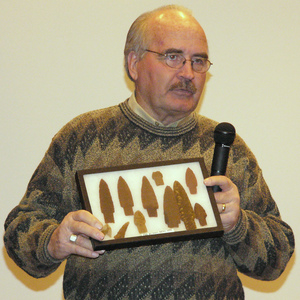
{"x": 222, "y": 197}
{"x": 78, "y": 250}
{"x": 82, "y": 241}
{"x": 84, "y": 223}
{"x": 85, "y": 242}
{"x": 223, "y": 208}
{"x": 84, "y": 229}
{"x": 222, "y": 181}
{"x": 88, "y": 218}
{"x": 82, "y": 244}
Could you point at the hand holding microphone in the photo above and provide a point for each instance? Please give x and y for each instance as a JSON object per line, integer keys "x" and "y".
{"x": 228, "y": 201}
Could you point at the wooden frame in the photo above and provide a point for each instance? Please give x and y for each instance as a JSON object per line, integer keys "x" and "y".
{"x": 136, "y": 203}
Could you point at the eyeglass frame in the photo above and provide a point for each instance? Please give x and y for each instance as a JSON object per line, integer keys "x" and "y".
{"x": 165, "y": 55}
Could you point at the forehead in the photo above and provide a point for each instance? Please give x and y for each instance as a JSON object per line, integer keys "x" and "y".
{"x": 183, "y": 34}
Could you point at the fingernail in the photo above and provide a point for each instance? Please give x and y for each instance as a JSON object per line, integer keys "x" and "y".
{"x": 100, "y": 236}
{"x": 98, "y": 226}
{"x": 95, "y": 254}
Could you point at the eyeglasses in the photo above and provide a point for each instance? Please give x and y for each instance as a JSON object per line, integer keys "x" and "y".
{"x": 177, "y": 61}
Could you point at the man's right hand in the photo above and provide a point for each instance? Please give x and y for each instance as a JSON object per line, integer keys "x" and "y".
{"x": 82, "y": 224}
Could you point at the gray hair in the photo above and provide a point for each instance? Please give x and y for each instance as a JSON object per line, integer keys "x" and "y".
{"x": 139, "y": 37}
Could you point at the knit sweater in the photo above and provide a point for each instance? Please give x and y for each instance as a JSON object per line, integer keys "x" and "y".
{"x": 259, "y": 246}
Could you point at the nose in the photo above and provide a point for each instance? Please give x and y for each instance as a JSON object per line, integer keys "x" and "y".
{"x": 186, "y": 71}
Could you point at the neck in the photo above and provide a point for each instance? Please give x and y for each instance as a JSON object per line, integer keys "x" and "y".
{"x": 160, "y": 115}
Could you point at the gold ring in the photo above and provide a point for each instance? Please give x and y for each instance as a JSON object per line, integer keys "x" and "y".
{"x": 223, "y": 207}
{"x": 73, "y": 238}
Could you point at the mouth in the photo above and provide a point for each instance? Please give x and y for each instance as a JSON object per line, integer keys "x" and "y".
{"x": 184, "y": 88}
{"x": 183, "y": 92}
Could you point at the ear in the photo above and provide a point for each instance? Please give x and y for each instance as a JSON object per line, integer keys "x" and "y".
{"x": 132, "y": 65}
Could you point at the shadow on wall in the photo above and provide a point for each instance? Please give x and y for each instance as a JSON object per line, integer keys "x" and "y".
{"x": 34, "y": 284}
{"x": 268, "y": 286}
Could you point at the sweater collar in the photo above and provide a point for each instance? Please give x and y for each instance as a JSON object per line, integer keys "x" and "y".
{"x": 168, "y": 131}
{"x": 136, "y": 108}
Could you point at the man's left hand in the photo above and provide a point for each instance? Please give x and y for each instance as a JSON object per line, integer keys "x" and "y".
{"x": 228, "y": 200}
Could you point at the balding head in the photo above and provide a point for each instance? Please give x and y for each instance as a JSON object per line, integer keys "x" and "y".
{"x": 144, "y": 29}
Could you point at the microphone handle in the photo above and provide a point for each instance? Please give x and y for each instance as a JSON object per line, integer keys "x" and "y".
{"x": 219, "y": 163}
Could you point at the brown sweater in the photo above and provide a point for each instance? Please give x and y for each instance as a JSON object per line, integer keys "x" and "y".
{"x": 259, "y": 246}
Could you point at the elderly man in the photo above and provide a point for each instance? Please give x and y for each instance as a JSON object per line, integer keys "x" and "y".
{"x": 166, "y": 56}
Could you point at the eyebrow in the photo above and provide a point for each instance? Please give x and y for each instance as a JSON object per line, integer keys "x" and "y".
{"x": 174, "y": 50}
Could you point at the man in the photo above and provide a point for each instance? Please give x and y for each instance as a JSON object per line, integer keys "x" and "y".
{"x": 166, "y": 55}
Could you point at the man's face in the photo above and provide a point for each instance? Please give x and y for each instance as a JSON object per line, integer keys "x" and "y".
{"x": 161, "y": 90}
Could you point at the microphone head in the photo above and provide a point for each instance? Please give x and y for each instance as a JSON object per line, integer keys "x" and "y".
{"x": 224, "y": 134}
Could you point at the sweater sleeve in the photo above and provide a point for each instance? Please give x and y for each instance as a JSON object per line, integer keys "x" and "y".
{"x": 50, "y": 195}
{"x": 261, "y": 244}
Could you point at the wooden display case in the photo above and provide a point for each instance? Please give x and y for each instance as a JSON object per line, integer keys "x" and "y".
{"x": 150, "y": 203}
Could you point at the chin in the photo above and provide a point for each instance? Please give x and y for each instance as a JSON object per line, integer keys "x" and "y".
{"x": 185, "y": 105}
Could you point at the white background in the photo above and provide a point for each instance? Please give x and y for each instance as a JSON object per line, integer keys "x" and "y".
{"x": 61, "y": 58}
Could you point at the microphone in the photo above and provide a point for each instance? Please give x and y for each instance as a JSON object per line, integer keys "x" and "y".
{"x": 224, "y": 135}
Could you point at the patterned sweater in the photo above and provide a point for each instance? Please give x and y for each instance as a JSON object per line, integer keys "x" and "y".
{"x": 259, "y": 246}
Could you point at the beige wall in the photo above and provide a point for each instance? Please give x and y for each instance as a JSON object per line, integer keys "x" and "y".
{"x": 62, "y": 58}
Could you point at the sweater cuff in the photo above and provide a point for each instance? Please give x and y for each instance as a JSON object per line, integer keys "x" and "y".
{"x": 239, "y": 231}
{"x": 42, "y": 252}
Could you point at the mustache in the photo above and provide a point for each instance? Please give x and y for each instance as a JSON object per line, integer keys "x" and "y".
{"x": 184, "y": 85}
